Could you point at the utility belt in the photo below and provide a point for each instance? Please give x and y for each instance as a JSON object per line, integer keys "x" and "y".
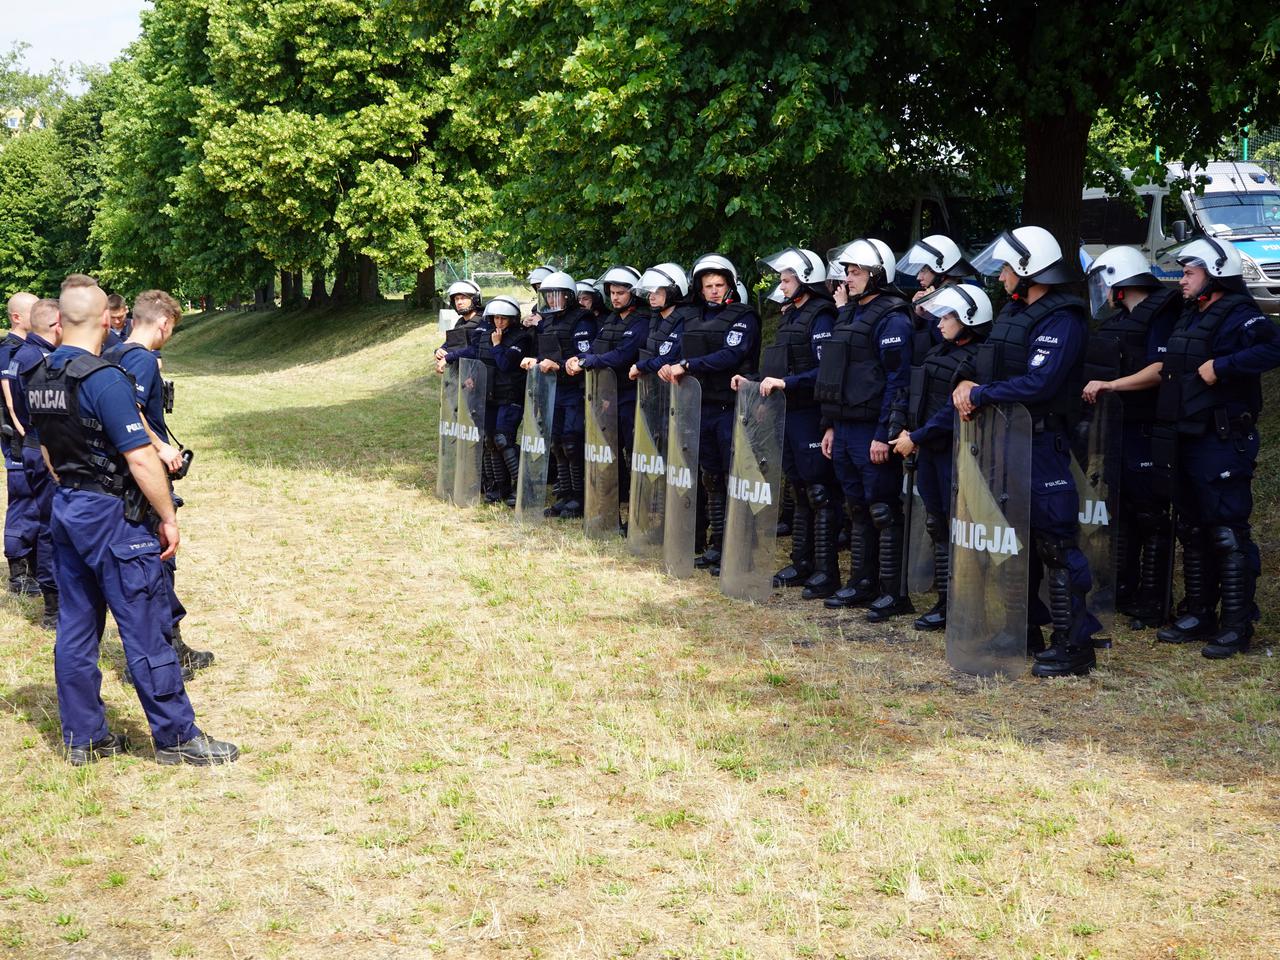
{"x": 1221, "y": 425}
{"x": 1049, "y": 423}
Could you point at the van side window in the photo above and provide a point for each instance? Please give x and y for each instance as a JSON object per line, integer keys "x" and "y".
{"x": 1112, "y": 221}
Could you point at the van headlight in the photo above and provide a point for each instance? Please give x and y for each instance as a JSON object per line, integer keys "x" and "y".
{"x": 1250, "y": 269}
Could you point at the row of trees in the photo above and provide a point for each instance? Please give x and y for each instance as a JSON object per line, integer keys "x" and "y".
{"x": 320, "y": 141}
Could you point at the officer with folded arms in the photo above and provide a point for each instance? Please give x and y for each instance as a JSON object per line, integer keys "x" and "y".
{"x": 105, "y": 553}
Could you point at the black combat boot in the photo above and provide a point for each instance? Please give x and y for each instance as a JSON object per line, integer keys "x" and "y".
{"x": 825, "y": 580}
{"x": 21, "y": 581}
{"x": 936, "y": 617}
{"x": 49, "y": 619}
{"x": 562, "y": 481}
{"x": 1068, "y": 655}
{"x": 891, "y": 602}
{"x": 1126, "y": 561}
{"x": 1198, "y": 621}
{"x": 717, "y": 496}
{"x": 798, "y": 570}
{"x": 490, "y": 486}
{"x": 1237, "y": 596}
{"x": 511, "y": 459}
{"x": 573, "y": 508}
{"x": 1148, "y": 607}
{"x": 199, "y": 751}
{"x": 860, "y": 588}
{"x": 109, "y": 746}
{"x": 194, "y": 659}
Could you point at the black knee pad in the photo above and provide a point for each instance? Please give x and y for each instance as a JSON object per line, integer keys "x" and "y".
{"x": 501, "y": 441}
{"x": 819, "y": 495}
{"x": 858, "y": 513}
{"x": 1225, "y": 540}
{"x": 1189, "y": 533}
{"x": 936, "y": 526}
{"x": 1052, "y": 551}
{"x": 884, "y": 515}
{"x": 713, "y": 482}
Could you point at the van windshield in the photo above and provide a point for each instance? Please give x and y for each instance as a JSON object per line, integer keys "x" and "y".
{"x": 1239, "y": 213}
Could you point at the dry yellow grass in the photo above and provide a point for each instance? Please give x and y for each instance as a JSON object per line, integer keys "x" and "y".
{"x": 464, "y": 739}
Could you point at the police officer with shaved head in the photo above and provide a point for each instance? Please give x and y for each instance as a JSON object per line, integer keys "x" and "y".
{"x": 21, "y": 519}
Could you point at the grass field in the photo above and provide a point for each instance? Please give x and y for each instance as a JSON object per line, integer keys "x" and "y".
{"x": 464, "y": 739}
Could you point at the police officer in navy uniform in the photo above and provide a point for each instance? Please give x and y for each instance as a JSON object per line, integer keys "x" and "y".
{"x": 156, "y": 315}
{"x": 1135, "y": 313}
{"x": 107, "y": 471}
{"x": 791, "y": 365}
{"x": 591, "y": 296}
{"x": 22, "y": 518}
{"x": 616, "y": 346}
{"x": 465, "y": 300}
{"x": 865, "y": 370}
{"x": 564, "y": 330}
{"x": 1211, "y": 393}
{"x": 118, "y": 317}
{"x": 936, "y": 262}
{"x": 718, "y": 339}
{"x": 507, "y": 345}
{"x": 1034, "y": 356}
{"x": 667, "y": 287}
{"x": 45, "y": 332}
{"x": 963, "y": 316}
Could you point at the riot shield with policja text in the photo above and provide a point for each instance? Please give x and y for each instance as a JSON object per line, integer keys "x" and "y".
{"x": 447, "y": 454}
{"x": 648, "y": 468}
{"x": 748, "y": 558}
{"x": 680, "y": 517}
{"x": 990, "y": 543}
{"x": 1095, "y": 467}
{"x": 600, "y": 518}
{"x": 535, "y": 445}
{"x": 473, "y": 388}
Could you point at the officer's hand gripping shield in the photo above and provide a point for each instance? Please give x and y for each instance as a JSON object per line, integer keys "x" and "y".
{"x": 1095, "y": 467}
{"x": 473, "y": 389}
{"x": 535, "y": 445}
{"x": 749, "y": 558}
{"x": 684, "y": 425}
{"x": 600, "y": 518}
{"x": 447, "y": 455}
{"x": 648, "y": 468}
{"x": 990, "y": 543}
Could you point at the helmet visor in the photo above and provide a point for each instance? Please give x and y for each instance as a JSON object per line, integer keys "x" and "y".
{"x": 1005, "y": 248}
{"x": 1098, "y": 282}
{"x": 922, "y": 254}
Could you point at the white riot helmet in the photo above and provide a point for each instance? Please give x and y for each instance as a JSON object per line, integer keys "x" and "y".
{"x": 809, "y": 268}
{"x": 1117, "y": 269}
{"x": 463, "y": 288}
{"x": 503, "y": 306}
{"x": 557, "y": 292}
{"x": 665, "y": 276}
{"x": 968, "y": 302}
{"x": 620, "y": 276}
{"x": 937, "y": 252}
{"x": 1219, "y": 259}
{"x": 1031, "y": 252}
{"x": 592, "y": 289}
{"x": 713, "y": 263}
{"x": 538, "y": 274}
{"x": 871, "y": 255}
{"x": 586, "y": 286}
{"x": 741, "y": 289}
{"x": 835, "y": 271}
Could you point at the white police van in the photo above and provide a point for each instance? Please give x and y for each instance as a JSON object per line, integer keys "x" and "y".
{"x": 1240, "y": 202}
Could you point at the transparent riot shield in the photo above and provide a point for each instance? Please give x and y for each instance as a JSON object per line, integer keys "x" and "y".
{"x": 748, "y": 558}
{"x": 990, "y": 543}
{"x": 680, "y": 518}
{"x": 919, "y": 572}
{"x": 473, "y": 387}
{"x": 600, "y": 518}
{"x": 447, "y": 457}
{"x": 648, "y": 468}
{"x": 1095, "y": 466}
{"x": 535, "y": 445}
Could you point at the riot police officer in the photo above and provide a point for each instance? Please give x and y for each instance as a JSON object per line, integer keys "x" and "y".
{"x": 507, "y": 345}
{"x": 22, "y": 518}
{"x": 1034, "y": 356}
{"x": 565, "y": 330}
{"x": 963, "y": 316}
{"x": 1135, "y": 313}
{"x": 591, "y": 296}
{"x": 465, "y": 300}
{"x": 791, "y": 365}
{"x": 617, "y": 347}
{"x": 719, "y": 338}
{"x": 1211, "y": 393}
{"x": 534, "y": 279}
{"x": 106, "y": 557}
{"x": 866, "y": 367}
{"x": 666, "y": 285}
{"x": 936, "y": 262}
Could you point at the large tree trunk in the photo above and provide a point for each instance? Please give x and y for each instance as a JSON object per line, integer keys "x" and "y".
{"x": 424, "y": 287}
{"x": 286, "y": 288}
{"x": 1055, "y": 153}
{"x": 319, "y": 295}
{"x": 342, "y": 270}
{"x": 367, "y": 280}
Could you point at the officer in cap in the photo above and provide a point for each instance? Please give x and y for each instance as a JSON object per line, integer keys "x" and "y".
{"x": 1034, "y": 356}
{"x": 106, "y": 555}
{"x": 866, "y": 368}
{"x": 507, "y": 346}
{"x": 617, "y": 347}
{"x": 667, "y": 287}
{"x": 1211, "y": 393}
{"x": 791, "y": 365}
{"x": 21, "y": 519}
{"x": 963, "y": 317}
{"x": 1135, "y": 313}
{"x": 717, "y": 340}
{"x": 565, "y": 331}
{"x": 464, "y": 299}
{"x": 156, "y": 316}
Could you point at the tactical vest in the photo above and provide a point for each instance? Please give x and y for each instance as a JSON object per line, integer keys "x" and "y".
{"x": 79, "y": 451}
{"x": 1006, "y": 351}
{"x": 1118, "y": 348}
{"x": 558, "y": 341}
{"x": 1186, "y": 400}
{"x": 660, "y": 328}
{"x": 933, "y": 381}
{"x": 505, "y": 386}
{"x": 32, "y": 438}
{"x": 8, "y": 347}
{"x": 609, "y": 336}
{"x": 792, "y": 349}
{"x": 851, "y": 380}
{"x": 704, "y": 333}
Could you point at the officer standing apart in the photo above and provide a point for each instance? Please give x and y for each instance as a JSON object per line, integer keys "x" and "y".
{"x": 1211, "y": 390}
{"x": 97, "y": 448}
{"x": 1124, "y": 357}
{"x": 719, "y": 338}
{"x": 465, "y": 300}
{"x": 21, "y": 518}
{"x": 155, "y": 316}
{"x": 865, "y": 370}
{"x": 791, "y": 365}
{"x": 1035, "y": 356}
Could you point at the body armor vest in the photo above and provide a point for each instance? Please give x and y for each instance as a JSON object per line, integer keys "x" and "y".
{"x": 704, "y": 333}
{"x": 1119, "y": 348}
{"x": 558, "y": 341}
{"x": 1184, "y": 398}
{"x": 1006, "y": 351}
{"x": 32, "y": 439}
{"x": 609, "y": 336}
{"x": 851, "y": 380}
{"x": 81, "y": 455}
{"x": 933, "y": 380}
{"x": 660, "y": 328}
{"x": 792, "y": 349}
{"x": 505, "y": 386}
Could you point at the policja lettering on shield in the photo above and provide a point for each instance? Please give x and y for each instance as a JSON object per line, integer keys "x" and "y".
{"x": 653, "y": 465}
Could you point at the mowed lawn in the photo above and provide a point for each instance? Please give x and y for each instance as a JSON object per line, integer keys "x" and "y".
{"x": 466, "y": 739}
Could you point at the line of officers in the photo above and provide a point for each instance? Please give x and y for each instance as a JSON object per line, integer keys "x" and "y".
{"x": 872, "y": 378}
{"x": 91, "y": 522}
